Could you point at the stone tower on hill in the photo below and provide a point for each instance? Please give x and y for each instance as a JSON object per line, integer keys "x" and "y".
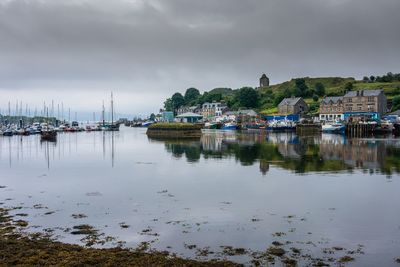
{"x": 264, "y": 81}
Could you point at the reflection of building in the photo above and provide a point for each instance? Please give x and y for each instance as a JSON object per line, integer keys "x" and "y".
{"x": 331, "y": 109}
{"x": 211, "y": 142}
{"x": 364, "y": 154}
{"x": 355, "y": 153}
{"x": 264, "y": 167}
{"x": 292, "y": 105}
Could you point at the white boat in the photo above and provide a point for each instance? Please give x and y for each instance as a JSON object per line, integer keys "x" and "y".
{"x": 229, "y": 126}
{"x": 335, "y": 127}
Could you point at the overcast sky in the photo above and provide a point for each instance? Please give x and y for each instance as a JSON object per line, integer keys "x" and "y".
{"x": 77, "y": 51}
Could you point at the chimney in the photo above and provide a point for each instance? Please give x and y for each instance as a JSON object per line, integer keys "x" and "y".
{"x": 358, "y": 93}
{"x": 362, "y": 92}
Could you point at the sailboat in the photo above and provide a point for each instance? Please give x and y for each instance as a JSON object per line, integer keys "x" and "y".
{"x": 110, "y": 126}
{"x": 48, "y": 133}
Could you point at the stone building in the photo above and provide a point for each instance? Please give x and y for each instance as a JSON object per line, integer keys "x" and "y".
{"x": 292, "y": 105}
{"x": 264, "y": 81}
{"x": 331, "y": 108}
{"x": 365, "y": 103}
{"x": 213, "y": 109}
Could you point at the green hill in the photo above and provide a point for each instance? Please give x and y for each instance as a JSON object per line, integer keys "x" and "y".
{"x": 328, "y": 82}
{"x": 334, "y": 86}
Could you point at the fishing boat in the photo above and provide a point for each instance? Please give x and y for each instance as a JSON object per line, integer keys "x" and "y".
{"x": 113, "y": 126}
{"x": 385, "y": 127}
{"x": 48, "y": 133}
{"x": 281, "y": 126}
{"x": 229, "y": 126}
{"x": 396, "y": 129}
{"x": 211, "y": 125}
{"x": 335, "y": 127}
{"x": 147, "y": 123}
{"x": 8, "y": 132}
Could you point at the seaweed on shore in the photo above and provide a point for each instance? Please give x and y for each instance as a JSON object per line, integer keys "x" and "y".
{"x": 38, "y": 249}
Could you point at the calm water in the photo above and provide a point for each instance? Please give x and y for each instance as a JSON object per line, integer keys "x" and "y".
{"x": 225, "y": 189}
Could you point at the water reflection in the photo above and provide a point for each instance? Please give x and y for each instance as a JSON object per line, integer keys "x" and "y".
{"x": 301, "y": 154}
{"x": 18, "y": 150}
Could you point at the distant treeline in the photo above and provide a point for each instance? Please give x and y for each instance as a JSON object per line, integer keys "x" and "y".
{"x": 388, "y": 78}
{"x": 25, "y": 120}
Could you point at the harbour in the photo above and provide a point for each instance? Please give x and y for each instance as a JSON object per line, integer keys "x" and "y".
{"x": 204, "y": 210}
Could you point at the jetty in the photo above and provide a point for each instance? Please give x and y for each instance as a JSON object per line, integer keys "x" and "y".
{"x": 174, "y": 130}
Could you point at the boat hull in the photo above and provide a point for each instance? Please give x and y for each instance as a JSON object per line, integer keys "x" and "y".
{"x": 48, "y": 136}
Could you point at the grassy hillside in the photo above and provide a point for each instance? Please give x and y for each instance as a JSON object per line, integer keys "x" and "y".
{"x": 334, "y": 86}
{"x": 328, "y": 82}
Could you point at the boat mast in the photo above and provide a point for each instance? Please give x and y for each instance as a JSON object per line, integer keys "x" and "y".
{"x": 103, "y": 115}
{"x": 112, "y": 109}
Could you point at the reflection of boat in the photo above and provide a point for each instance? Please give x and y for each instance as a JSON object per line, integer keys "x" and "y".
{"x": 336, "y": 127}
{"x": 229, "y": 126}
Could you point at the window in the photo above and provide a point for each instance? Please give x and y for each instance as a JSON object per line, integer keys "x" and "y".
{"x": 371, "y": 99}
{"x": 350, "y": 100}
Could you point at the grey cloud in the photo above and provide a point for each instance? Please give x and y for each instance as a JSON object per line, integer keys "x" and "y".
{"x": 162, "y": 46}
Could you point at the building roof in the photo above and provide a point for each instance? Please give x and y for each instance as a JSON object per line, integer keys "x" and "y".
{"x": 189, "y": 114}
{"x": 334, "y": 99}
{"x": 363, "y": 93}
{"x": 248, "y": 112}
{"x": 290, "y": 101}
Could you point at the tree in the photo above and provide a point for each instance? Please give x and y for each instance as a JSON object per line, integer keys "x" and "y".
{"x": 315, "y": 98}
{"x": 152, "y": 117}
{"x": 348, "y": 86}
{"x": 301, "y": 88}
{"x": 247, "y": 97}
{"x": 365, "y": 79}
{"x": 278, "y": 99}
{"x": 210, "y": 97}
{"x": 372, "y": 78}
{"x": 287, "y": 92}
{"x": 177, "y": 101}
{"x": 319, "y": 89}
{"x": 191, "y": 95}
{"x": 168, "y": 105}
{"x": 396, "y": 103}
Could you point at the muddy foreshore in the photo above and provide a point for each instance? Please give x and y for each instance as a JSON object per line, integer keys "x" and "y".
{"x": 38, "y": 249}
